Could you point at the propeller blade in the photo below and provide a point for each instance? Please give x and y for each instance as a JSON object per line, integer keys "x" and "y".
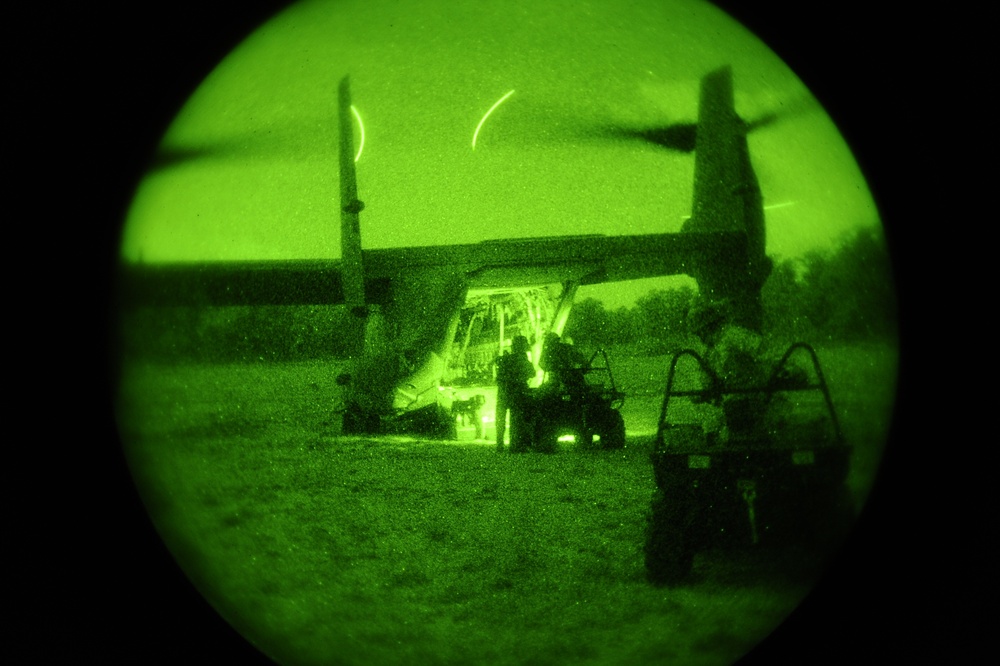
{"x": 679, "y": 137}
{"x": 296, "y": 139}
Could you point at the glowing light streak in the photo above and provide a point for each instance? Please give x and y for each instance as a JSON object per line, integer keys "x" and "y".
{"x": 361, "y": 126}
{"x": 492, "y": 109}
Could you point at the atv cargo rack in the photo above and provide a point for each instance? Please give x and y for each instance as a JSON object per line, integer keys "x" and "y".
{"x": 615, "y": 397}
{"x": 780, "y": 380}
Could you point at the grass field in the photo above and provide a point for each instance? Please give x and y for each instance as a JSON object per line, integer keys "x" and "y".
{"x": 328, "y": 549}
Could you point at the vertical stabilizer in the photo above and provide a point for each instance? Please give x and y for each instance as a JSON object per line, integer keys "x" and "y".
{"x": 727, "y": 198}
{"x": 352, "y": 269}
{"x": 408, "y": 335}
{"x": 372, "y": 377}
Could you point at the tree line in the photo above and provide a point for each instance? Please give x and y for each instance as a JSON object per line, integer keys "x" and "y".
{"x": 234, "y": 333}
{"x": 844, "y": 294}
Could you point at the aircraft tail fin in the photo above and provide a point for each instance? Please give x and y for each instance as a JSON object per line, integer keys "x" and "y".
{"x": 352, "y": 266}
{"x": 726, "y": 193}
{"x": 727, "y": 198}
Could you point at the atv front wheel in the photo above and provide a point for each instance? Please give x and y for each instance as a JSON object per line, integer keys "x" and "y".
{"x": 669, "y": 555}
{"x": 612, "y": 430}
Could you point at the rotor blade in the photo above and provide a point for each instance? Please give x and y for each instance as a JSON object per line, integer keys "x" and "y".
{"x": 679, "y": 137}
{"x": 788, "y": 109}
{"x": 563, "y": 126}
{"x": 297, "y": 139}
{"x": 242, "y": 148}
{"x": 167, "y": 157}
{"x": 763, "y": 121}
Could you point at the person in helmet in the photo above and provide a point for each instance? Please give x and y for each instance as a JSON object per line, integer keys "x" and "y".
{"x": 564, "y": 366}
{"x": 735, "y": 354}
{"x": 514, "y": 369}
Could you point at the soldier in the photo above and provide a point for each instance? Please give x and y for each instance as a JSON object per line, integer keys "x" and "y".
{"x": 564, "y": 365}
{"x": 735, "y": 354}
{"x": 514, "y": 369}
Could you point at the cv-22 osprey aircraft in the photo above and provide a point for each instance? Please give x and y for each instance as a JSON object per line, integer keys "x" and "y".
{"x": 406, "y": 302}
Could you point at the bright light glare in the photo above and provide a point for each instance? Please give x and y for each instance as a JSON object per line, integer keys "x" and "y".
{"x": 361, "y": 125}
{"x": 492, "y": 109}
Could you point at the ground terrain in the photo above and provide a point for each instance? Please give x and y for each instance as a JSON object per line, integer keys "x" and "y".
{"x": 321, "y": 548}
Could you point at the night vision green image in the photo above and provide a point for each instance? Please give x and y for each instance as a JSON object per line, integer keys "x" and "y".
{"x": 504, "y": 332}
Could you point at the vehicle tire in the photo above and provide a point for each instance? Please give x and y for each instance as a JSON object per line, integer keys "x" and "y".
{"x": 669, "y": 556}
{"x": 612, "y": 430}
{"x": 545, "y": 437}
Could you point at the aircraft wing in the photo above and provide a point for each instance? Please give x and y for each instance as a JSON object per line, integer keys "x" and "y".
{"x": 722, "y": 241}
{"x": 510, "y": 263}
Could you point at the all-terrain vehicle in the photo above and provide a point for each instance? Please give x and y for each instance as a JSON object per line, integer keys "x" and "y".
{"x": 759, "y": 479}
{"x": 585, "y": 409}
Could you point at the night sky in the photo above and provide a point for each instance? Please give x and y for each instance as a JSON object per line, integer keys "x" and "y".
{"x": 248, "y": 170}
